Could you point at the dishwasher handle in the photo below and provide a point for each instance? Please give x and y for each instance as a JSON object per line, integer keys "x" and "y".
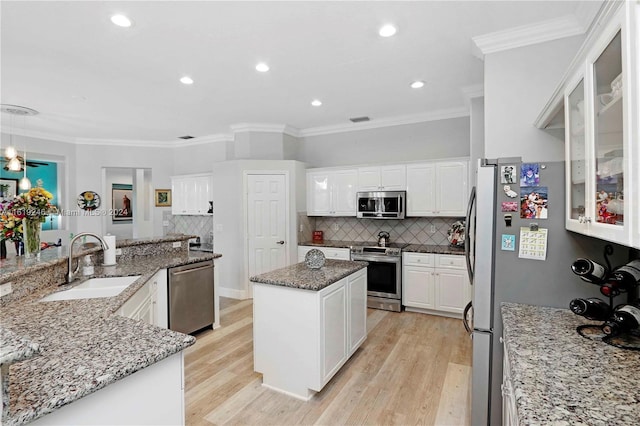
{"x": 186, "y": 271}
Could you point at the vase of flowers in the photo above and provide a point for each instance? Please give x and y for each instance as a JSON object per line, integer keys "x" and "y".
{"x": 30, "y": 208}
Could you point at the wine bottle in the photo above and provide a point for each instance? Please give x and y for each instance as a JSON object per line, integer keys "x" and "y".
{"x": 589, "y": 270}
{"x": 627, "y": 276}
{"x": 593, "y": 308}
{"x": 624, "y": 318}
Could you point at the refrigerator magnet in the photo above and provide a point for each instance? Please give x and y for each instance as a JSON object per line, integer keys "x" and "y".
{"x": 508, "y": 242}
{"x": 509, "y": 206}
{"x": 508, "y": 174}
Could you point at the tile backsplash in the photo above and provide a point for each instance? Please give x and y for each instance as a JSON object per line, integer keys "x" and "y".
{"x": 201, "y": 226}
{"x": 415, "y": 230}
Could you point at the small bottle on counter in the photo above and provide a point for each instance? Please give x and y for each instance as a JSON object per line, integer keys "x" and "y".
{"x": 624, "y": 318}
{"x": 592, "y": 308}
{"x": 589, "y": 270}
{"x": 87, "y": 267}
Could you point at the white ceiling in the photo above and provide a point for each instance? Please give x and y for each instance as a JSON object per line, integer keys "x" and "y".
{"x": 92, "y": 80}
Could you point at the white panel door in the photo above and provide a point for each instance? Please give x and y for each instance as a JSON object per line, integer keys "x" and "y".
{"x": 418, "y": 287}
{"x": 266, "y": 215}
{"x": 393, "y": 178}
{"x": 318, "y": 194}
{"x": 452, "y": 292}
{"x": 344, "y": 186}
{"x": 421, "y": 184}
{"x": 333, "y": 334}
{"x": 452, "y": 191}
{"x": 369, "y": 179}
{"x": 357, "y": 310}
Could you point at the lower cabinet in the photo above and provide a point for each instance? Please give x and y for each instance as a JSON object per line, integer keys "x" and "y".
{"x": 151, "y": 396}
{"x": 509, "y": 410}
{"x": 302, "y": 338}
{"x": 435, "y": 283}
{"x": 149, "y": 303}
{"x": 329, "y": 252}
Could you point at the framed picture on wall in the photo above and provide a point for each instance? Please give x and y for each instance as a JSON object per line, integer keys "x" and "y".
{"x": 122, "y": 194}
{"x": 163, "y": 198}
{"x": 8, "y": 188}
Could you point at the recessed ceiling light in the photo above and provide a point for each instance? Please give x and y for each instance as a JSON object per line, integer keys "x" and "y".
{"x": 186, "y": 80}
{"x": 121, "y": 21}
{"x": 316, "y": 102}
{"x": 417, "y": 84}
{"x": 262, "y": 67}
{"x": 387, "y": 30}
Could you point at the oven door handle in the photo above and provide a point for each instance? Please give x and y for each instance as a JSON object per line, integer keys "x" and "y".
{"x": 385, "y": 259}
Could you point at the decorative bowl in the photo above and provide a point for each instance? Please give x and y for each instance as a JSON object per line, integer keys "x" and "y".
{"x": 314, "y": 259}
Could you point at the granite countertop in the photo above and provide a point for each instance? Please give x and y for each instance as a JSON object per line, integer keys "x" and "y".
{"x": 562, "y": 378}
{"x": 15, "y": 266}
{"x": 299, "y": 276}
{"x": 414, "y": 248}
{"x": 64, "y": 350}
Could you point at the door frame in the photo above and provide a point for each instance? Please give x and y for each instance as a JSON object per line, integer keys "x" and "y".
{"x": 245, "y": 220}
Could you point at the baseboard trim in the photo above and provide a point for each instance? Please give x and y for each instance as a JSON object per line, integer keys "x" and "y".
{"x": 232, "y": 293}
{"x": 433, "y": 312}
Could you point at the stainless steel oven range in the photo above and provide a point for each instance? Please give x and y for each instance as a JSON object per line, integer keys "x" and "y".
{"x": 384, "y": 275}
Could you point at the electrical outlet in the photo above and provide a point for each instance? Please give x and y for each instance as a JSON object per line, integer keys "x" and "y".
{"x": 5, "y": 289}
{"x": 177, "y": 244}
{"x": 432, "y": 229}
{"x": 335, "y": 227}
{"x": 165, "y": 223}
{"x": 301, "y": 228}
{"x": 118, "y": 252}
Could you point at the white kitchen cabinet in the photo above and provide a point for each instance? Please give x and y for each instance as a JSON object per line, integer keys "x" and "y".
{"x": 331, "y": 192}
{"x": 191, "y": 194}
{"x": 329, "y": 252}
{"x": 383, "y": 178}
{"x": 303, "y": 337}
{"x": 149, "y": 303}
{"x": 151, "y": 396}
{"x": 509, "y": 410}
{"x": 435, "y": 283}
{"x": 437, "y": 188}
{"x": 600, "y": 99}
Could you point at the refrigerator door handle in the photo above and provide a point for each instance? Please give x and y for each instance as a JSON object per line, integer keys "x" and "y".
{"x": 467, "y": 238}
{"x": 465, "y": 315}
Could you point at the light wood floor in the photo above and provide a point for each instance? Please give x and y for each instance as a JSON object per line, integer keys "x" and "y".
{"x": 412, "y": 369}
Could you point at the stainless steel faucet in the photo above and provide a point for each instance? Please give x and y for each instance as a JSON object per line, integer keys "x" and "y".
{"x": 70, "y": 272}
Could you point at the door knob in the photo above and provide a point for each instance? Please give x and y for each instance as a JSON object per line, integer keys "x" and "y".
{"x": 280, "y": 242}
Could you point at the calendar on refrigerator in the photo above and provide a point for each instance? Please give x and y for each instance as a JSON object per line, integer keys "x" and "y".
{"x": 533, "y": 243}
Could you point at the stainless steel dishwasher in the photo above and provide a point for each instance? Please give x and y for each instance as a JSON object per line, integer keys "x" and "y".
{"x": 191, "y": 297}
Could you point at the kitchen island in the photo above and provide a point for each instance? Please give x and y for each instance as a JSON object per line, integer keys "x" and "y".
{"x": 558, "y": 377}
{"x": 61, "y": 358}
{"x": 307, "y": 324}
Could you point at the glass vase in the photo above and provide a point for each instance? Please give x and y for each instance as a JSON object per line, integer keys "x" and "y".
{"x": 31, "y": 229}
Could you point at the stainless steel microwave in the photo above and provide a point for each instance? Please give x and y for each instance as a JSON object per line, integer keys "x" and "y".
{"x": 381, "y": 204}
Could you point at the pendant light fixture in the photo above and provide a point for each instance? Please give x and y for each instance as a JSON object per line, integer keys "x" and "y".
{"x": 25, "y": 183}
{"x": 15, "y": 164}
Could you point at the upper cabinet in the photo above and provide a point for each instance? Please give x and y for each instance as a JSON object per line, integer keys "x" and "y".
{"x": 437, "y": 189}
{"x": 382, "y": 178}
{"x": 191, "y": 194}
{"x": 602, "y": 146}
{"x": 332, "y": 192}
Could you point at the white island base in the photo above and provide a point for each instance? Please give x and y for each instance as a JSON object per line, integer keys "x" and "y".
{"x": 303, "y": 337}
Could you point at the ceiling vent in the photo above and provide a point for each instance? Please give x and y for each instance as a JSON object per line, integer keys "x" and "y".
{"x": 186, "y": 137}
{"x": 359, "y": 119}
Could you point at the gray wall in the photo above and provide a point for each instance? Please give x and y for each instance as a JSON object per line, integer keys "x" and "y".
{"x": 411, "y": 142}
{"x": 476, "y": 150}
{"x": 518, "y": 83}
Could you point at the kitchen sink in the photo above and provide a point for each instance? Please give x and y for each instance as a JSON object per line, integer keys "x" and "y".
{"x": 93, "y": 288}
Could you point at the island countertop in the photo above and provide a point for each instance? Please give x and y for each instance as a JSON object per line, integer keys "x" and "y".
{"x": 300, "y": 276}
{"x": 57, "y": 352}
{"x": 560, "y": 377}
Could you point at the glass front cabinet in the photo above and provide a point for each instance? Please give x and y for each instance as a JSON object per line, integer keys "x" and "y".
{"x": 601, "y": 135}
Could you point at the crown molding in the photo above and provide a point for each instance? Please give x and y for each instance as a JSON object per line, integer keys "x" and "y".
{"x": 553, "y": 29}
{"x": 386, "y": 122}
{"x": 265, "y": 128}
{"x": 203, "y": 140}
{"x": 40, "y": 135}
{"x": 126, "y": 142}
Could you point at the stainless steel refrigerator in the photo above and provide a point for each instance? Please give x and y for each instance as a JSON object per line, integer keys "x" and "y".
{"x": 499, "y": 275}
